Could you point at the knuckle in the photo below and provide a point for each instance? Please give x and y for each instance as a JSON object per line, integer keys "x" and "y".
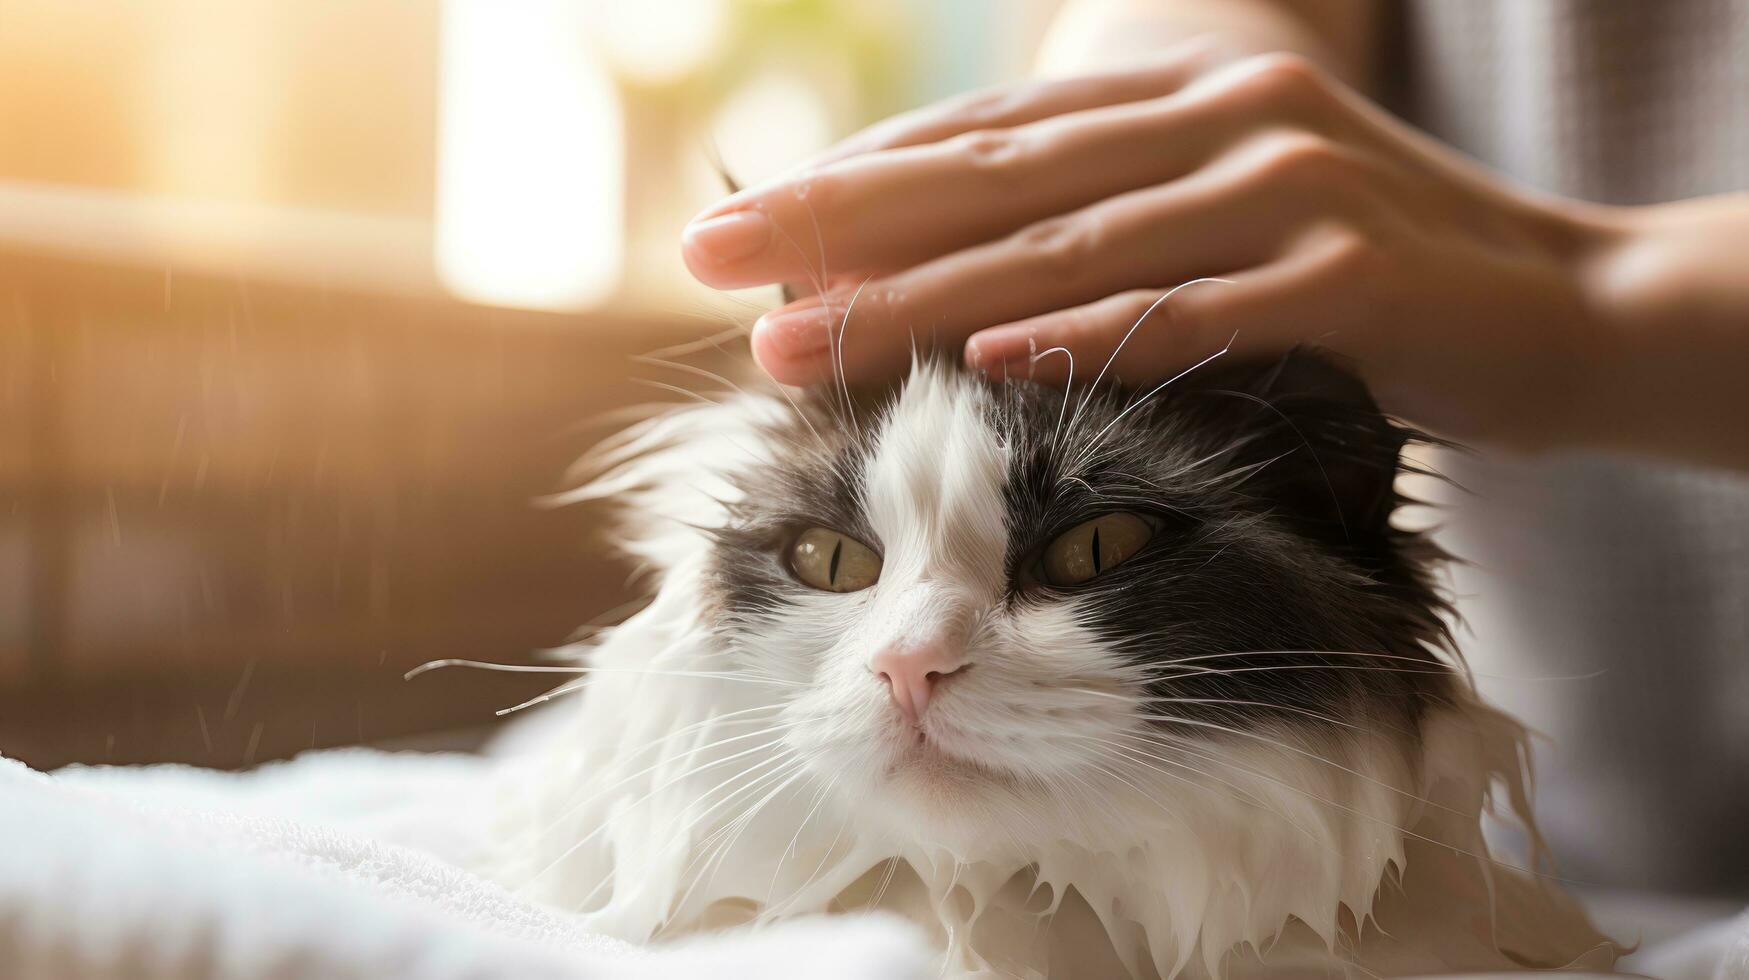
{"x": 1146, "y": 309}
{"x": 1285, "y": 72}
{"x": 1160, "y": 312}
{"x": 1062, "y": 248}
{"x": 1180, "y": 314}
{"x": 989, "y": 150}
{"x": 1277, "y": 80}
{"x": 1354, "y": 254}
{"x": 1300, "y": 157}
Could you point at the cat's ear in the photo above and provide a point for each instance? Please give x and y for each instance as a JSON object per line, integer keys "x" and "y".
{"x": 1317, "y": 446}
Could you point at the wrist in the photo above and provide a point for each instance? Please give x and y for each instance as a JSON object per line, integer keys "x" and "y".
{"x": 1669, "y": 371}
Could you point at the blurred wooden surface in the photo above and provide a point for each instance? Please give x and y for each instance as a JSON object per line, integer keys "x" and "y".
{"x": 232, "y": 515}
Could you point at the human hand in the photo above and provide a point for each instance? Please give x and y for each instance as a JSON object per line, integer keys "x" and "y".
{"x": 1056, "y": 216}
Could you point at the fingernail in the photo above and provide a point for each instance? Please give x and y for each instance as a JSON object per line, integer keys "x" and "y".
{"x": 795, "y": 333}
{"x": 991, "y": 348}
{"x": 729, "y": 238}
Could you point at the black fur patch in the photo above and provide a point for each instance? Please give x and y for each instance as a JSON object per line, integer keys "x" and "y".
{"x": 1276, "y": 585}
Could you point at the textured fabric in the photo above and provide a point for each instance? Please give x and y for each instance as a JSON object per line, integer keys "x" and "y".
{"x": 1617, "y": 101}
{"x": 1587, "y": 564}
{"x": 329, "y": 868}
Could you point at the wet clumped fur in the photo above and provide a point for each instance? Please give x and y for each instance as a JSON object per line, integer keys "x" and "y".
{"x": 1196, "y": 711}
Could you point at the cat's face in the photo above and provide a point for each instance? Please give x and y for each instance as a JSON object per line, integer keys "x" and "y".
{"x": 982, "y": 602}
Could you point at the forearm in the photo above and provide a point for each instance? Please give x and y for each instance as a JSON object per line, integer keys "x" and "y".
{"x": 1672, "y": 372}
{"x": 1337, "y": 34}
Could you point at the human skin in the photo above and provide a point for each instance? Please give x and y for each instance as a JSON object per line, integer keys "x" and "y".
{"x": 1040, "y": 230}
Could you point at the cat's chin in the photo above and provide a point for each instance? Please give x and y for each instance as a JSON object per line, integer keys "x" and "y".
{"x": 927, "y": 763}
{"x": 947, "y": 791}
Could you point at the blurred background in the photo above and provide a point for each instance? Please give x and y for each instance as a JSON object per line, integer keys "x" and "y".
{"x": 302, "y": 305}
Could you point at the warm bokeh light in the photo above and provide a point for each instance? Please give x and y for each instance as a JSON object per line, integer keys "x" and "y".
{"x": 752, "y": 148}
{"x": 530, "y": 145}
{"x": 653, "y": 42}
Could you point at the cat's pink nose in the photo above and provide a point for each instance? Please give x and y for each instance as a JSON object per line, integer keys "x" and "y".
{"x": 911, "y": 673}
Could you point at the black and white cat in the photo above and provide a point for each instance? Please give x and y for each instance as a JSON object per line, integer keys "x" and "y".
{"x": 1086, "y": 684}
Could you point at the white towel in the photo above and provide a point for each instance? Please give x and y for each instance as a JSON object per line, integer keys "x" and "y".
{"x": 174, "y": 873}
{"x": 169, "y": 873}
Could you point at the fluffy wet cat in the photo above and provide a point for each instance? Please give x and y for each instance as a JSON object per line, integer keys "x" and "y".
{"x": 1137, "y": 683}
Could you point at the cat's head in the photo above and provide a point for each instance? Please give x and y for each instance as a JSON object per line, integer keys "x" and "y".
{"x": 1151, "y": 666}
{"x": 986, "y": 605}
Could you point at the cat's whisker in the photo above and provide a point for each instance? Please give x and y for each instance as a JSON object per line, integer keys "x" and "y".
{"x": 818, "y": 279}
{"x": 1305, "y": 443}
{"x": 1068, "y": 386}
{"x": 699, "y": 397}
{"x": 1151, "y": 392}
{"x": 731, "y": 385}
{"x": 666, "y": 760}
{"x": 708, "y": 849}
{"x": 691, "y": 369}
{"x": 819, "y": 866}
{"x": 1174, "y": 814}
{"x": 838, "y": 352}
{"x": 815, "y": 269}
{"x": 431, "y": 665}
{"x": 1092, "y": 389}
{"x": 822, "y": 288}
{"x": 1305, "y": 753}
{"x": 819, "y": 246}
{"x": 1371, "y": 722}
{"x": 605, "y": 621}
{"x": 1372, "y": 818}
{"x": 729, "y": 718}
{"x": 611, "y": 819}
{"x": 573, "y": 496}
{"x": 1168, "y": 294}
{"x": 1437, "y": 670}
{"x": 1240, "y": 791}
{"x": 714, "y": 340}
{"x": 786, "y": 764}
{"x": 792, "y": 763}
{"x": 728, "y": 383}
{"x": 790, "y": 850}
{"x": 886, "y": 882}
{"x": 1270, "y": 706}
{"x": 579, "y": 685}
{"x": 786, "y": 778}
{"x": 1435, "y": 665}
{"x": 557, "y": 692}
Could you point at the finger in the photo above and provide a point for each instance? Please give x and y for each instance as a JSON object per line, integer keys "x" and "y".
{"x": 1016, "y": 105}
{"x": 901, "y": 207}
{"x": 1146, "y": 336}
{"x": 906, "y": 206}
{"x": 1132, "y": 336}
{"x": 1200, "y": 226}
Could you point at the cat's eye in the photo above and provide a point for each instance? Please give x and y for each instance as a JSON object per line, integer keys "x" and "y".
{"x": 1093, "y": 548}
{"x": 833, "y": 562}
